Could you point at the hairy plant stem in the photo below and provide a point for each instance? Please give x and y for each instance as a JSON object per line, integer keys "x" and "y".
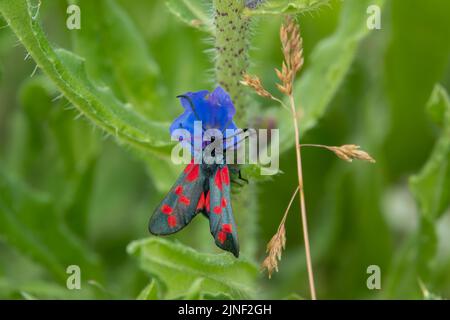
{"x": 231, "y": 62}
{"x": 231, "y": 45}
{"x": 302, "y": 199}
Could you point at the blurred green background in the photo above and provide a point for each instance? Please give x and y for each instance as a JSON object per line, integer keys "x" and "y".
{"x": 71, "y": 195}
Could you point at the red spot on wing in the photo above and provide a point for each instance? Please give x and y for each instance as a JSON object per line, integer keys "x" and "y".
{"x": 207, "y": 202}
{"x": 179, "y": 190}
{"x": 217, "y": 210}
{"x": 193, "y": 174}
{"x": 201, "y": 202}
{"x": 222, "y": 236}
{"x": 172, "y": 221}
{"x": 224, "y": 202}
{"x": 189, "y": 168}
{"x": 218, "y": 180}
{"x": 166, "y": 209}
{"x": 185, "y": 200}
{"x": 226, "y": 227}
{"x": 225, "y": 175}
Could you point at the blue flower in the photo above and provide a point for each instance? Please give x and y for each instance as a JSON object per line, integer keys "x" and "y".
{"x": 214, "y": 109}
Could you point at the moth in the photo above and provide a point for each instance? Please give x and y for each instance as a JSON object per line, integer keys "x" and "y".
{"x": 201, "y": 188}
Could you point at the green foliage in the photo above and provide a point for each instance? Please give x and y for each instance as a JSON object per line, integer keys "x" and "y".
{"x": 414, "y": 49}
{"x": 67, "y": 71}
{"x": 431, "y": 186}
{"x": 194, "y": 13}
{"x": 21, "y": 212}
{"x": 120, "y": 59}
{"x": 150, "y": 292}
{"x": 189, "y": 274}
{"x": 231, "y": 42}
{"x": 70, "y": 196}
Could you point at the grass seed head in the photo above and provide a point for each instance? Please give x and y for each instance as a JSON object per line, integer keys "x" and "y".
{"x": 292, "y": 47}
{"x": 255, "y": 83}
{"x": 348, "y": 152}
{"x": 274, "y": 249}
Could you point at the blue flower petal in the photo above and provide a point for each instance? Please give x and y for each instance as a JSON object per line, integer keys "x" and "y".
{"x": 184, "y": 121}
{"x": 215, "y": 110}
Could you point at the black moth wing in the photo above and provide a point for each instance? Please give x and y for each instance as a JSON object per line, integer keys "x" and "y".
{"x": 179, "y": 207}
{"x": 221, "y": 220}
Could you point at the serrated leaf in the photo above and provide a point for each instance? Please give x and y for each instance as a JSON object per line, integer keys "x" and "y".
{"x": 179, "y": 267}
{"x": 278, "y": 7}
{"x": 67, "y": 71}
{"x": 195, "y": 13}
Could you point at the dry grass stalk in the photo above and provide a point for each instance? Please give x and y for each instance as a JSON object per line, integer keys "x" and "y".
{"x": 347, "y": 152}
{"x": 292, "y": 47}
{"x": 277, "y": 244}
{"x": 255, "y": 83}
{"x": 275, "y": 247}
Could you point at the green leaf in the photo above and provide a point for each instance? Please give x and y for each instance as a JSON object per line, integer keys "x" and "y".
{"x": 67, "y": 71}
{"x": 41, "y": 290}
{"x": 194, "y": 13}
{"x": 30, "y": 223}
{"x": 431, "y": 186}
{"x": 117, "y": 55}
{"x": 163, "y": 172}
{"x": 328, "y": 65}
{"x": 194, "y": 292}
{"x": 427, "y": 294}
{"x": 420, "y": 48}
{"x": 278, "y": 7}
{"x": 180, "y": 268}
{"x": 76, "y": 145}
{"x": 150, "y": 292}
{"x": 437, "y": 106}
